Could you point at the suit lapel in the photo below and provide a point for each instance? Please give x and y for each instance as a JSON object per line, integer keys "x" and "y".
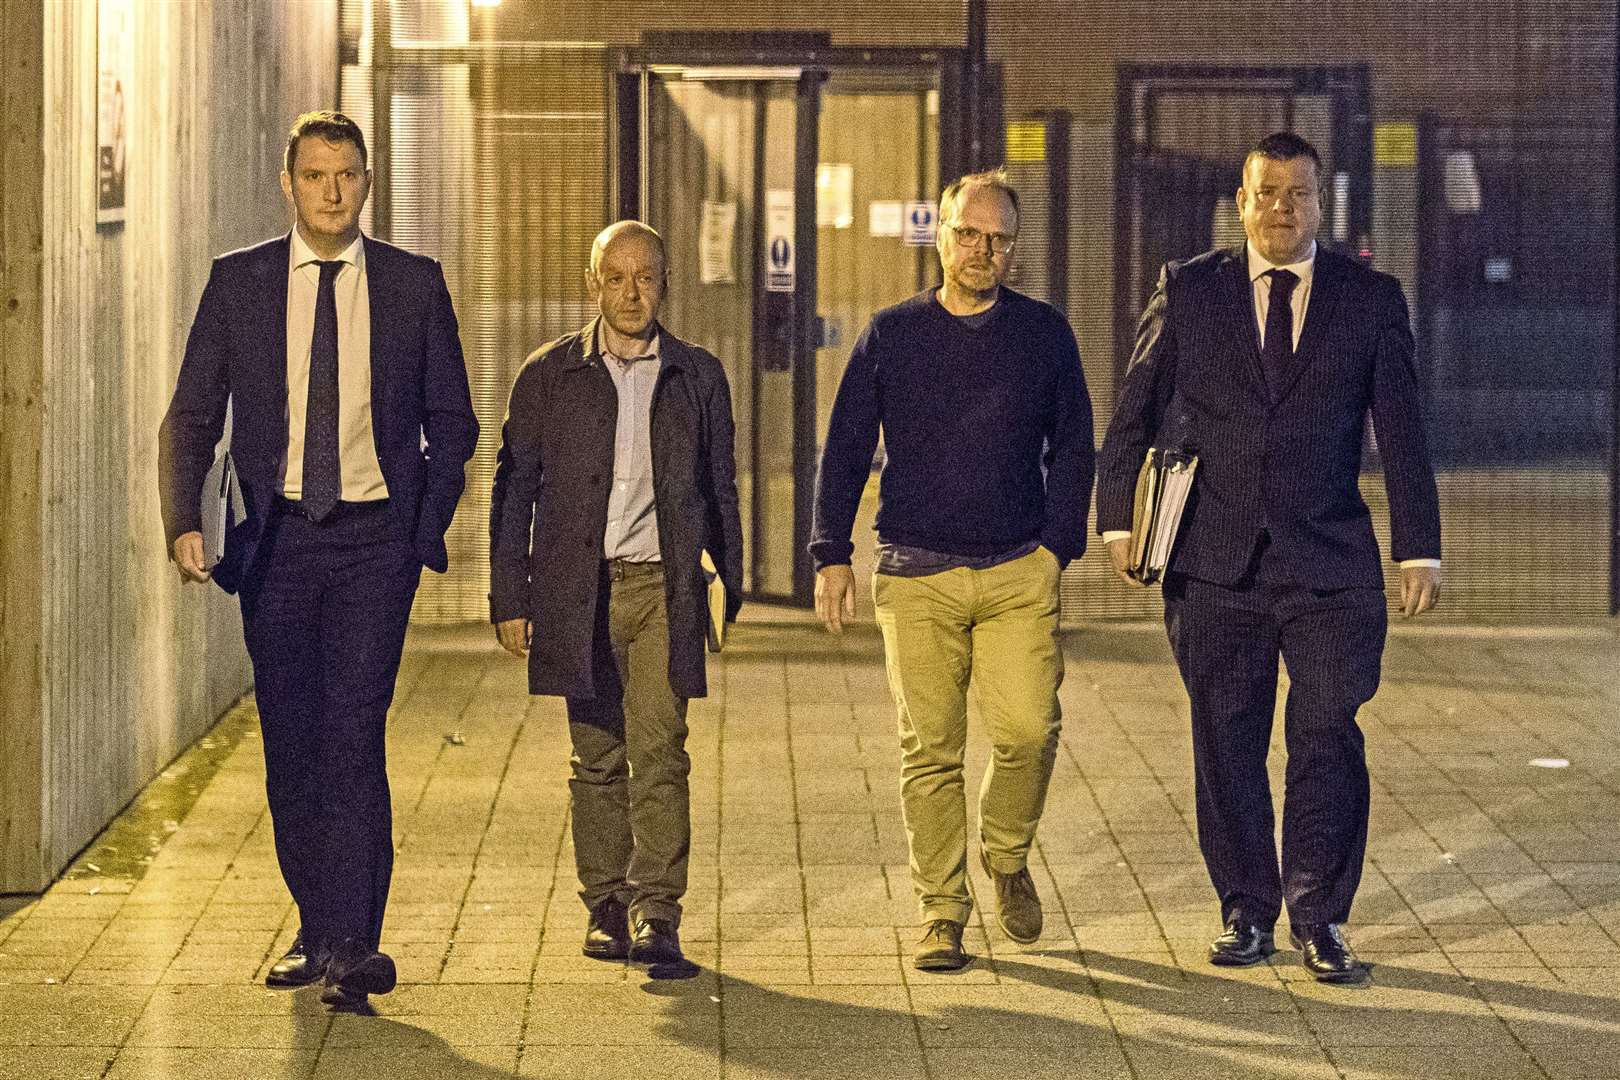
{"x": 273, "y": 330}
{"x": 385, "y": 321}
{"x": 1237, "y": 304}
{"x": 1327, "y": 283}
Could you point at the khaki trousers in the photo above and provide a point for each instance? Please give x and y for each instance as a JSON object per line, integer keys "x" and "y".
{"x": 995, "y": 630}
{"x": 631, "y": 808}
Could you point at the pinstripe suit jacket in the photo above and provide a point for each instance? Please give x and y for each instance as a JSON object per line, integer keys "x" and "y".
{"x": 1286, "y": 461}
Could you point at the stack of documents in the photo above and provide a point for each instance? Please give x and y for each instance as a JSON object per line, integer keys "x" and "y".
{"x": 717, "y": 604}
{"x": 222, "y": 507}
{"x": 1161, "y": 495}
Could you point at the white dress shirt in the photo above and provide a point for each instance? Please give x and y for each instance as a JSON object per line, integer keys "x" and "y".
{"x": 1299, "y": 301}
{"x": 1305, "y": 270}
{"x": 357, "y": 450}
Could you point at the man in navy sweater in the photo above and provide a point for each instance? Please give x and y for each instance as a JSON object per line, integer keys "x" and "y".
{"x": 986, "y": 424}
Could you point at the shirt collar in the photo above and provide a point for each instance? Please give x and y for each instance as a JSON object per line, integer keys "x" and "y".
{"x": 654, "y": 351}
{"x": 1258, "y": 265}
{"x": 302, "y": 254}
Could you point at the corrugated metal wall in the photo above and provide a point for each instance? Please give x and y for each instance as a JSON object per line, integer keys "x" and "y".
{"x": 121, "y": 668}
{"x": 1515, "y": 68}
{"x": 496, "y": 165}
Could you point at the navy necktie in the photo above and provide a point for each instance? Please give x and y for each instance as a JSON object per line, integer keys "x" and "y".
{"x": 1277, "y": 351}
{"x": 323, "y": 477}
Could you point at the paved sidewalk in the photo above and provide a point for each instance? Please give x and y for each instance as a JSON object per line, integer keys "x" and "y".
{"x": 1490, "y": 907}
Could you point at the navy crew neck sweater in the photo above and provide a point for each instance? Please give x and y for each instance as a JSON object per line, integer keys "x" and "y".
{"x": 986, "y": 426}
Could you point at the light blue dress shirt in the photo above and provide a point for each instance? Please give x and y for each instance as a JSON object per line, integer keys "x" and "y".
{"x": 632, "y": 519}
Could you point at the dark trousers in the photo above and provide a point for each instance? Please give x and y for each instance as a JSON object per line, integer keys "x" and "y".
{"x": 324, "y": 611}
{"x": 628, "y": 786}
{"x": 1227, "y": 641}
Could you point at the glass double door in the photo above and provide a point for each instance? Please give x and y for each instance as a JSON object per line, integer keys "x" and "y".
{"x": 728, "y": 164}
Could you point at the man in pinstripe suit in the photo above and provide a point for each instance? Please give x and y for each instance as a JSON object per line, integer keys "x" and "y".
{"x": 1266, "y": 361}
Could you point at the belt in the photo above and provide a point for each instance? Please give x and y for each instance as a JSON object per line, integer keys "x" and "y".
{"x": 295, "y": 507}
{"x": 619, "y": 569}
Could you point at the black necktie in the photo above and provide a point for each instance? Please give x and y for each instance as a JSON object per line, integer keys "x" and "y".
{"x": 323, "y": 478}
{"x": 1277, "y": 351}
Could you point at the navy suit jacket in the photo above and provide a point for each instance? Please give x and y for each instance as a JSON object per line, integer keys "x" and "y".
{"x": 421, "y": 412}
{"x": 1284, "y": 461}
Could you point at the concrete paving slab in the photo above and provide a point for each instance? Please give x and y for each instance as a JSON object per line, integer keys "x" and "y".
{"x": 145, "y": 1063}
{"x": 1489, "y": 915}
{"x": 59, "y": 1063}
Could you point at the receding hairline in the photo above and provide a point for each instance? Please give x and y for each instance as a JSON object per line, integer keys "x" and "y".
{"x": 625, "y": 228}
{"x": 956, "y": 192}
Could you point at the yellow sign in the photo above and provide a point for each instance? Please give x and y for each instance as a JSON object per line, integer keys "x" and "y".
{"x": 1026, "y": 141}
{"x": 1395, "y": 144}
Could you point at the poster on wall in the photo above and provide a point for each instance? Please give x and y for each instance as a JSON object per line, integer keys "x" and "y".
{"x": 716, "y": 242}
{"x": 115, "y": 68}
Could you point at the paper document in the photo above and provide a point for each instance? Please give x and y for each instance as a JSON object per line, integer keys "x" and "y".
{"x": 717, "y": 604}
{"x": 1162, "y": 488}
{"x": 222, "y": 507}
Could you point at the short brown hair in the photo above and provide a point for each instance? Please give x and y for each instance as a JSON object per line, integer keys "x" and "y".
{"x": 995, "y": 179}
{"x": 331, "y": 126}
{"x": 1284, "y": 146}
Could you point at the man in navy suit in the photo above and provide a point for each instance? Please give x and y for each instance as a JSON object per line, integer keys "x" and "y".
{"x": 340, "y": 361}
{"x": 1266, "y": 361}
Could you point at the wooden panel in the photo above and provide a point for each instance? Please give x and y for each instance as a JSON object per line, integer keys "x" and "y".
{"x": 21, "y": 404}
{"x": 134, "y": 668}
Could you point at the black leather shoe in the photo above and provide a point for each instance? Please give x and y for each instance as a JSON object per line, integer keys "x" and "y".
{"x": 1325, "y": 952}
{"x": 655, "y": 942}
{"x": 354, "y": 971}
{"x": 299, "y": 966}
{"x": 1241, "y": 944}
{"x": 607, "y": 937}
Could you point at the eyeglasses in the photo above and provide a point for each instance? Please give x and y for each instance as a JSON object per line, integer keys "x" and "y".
{"x": 1000, "y": 243}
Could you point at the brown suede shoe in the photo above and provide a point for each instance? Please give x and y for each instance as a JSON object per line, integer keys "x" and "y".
{"x": 1018, "y": 906}
{"x": 941, "y": 947}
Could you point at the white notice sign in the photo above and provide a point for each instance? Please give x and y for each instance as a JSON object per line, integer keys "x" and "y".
{"x": 922, "y": 219}
{"x": 715, "y": 243}
{"x": 779, "y": 257}
{"x": 835, "y": 196}
{"x": 884, "y": 218}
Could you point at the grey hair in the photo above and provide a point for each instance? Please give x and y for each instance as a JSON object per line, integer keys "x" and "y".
{"x": 621, "y": 228}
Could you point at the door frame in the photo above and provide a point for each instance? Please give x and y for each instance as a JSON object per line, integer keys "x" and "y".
{"x": 1138, "y": 87}
{"x": 815, "y": 58}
